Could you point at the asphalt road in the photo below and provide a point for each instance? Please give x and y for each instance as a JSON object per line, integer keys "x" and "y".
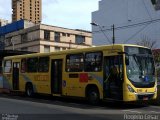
{"x": 49, "y": 108}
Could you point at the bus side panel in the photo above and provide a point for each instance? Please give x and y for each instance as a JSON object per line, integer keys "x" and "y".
{"x": 40, "y": 82}
{"x": 7, "y": 81}
{"x": 74, "y": 84}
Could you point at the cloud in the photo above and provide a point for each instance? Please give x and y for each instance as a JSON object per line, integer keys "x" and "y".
{"x": 5, "y": 9}
{"x": 70, "y": 13}
{"x": 64, "y": 13}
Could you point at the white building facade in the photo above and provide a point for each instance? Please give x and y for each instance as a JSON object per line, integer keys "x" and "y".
{"x": 135, "y": 21}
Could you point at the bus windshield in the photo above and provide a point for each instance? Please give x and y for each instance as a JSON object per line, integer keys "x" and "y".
{"x": 140, "y": 68}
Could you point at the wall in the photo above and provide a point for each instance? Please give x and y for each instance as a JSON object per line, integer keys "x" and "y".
{"x": 128, "y": 16}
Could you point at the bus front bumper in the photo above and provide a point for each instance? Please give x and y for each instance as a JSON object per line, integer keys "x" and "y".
{"x": 140, "y": 96}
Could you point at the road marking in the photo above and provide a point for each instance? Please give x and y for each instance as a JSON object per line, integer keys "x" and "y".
{"x": 131, "y": 111}
{"x": 155, "y": 112}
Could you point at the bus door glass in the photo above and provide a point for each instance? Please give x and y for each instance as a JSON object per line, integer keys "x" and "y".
{"x": 113, "y": 77}
{"x": 15, "y": 77}
{"x": 56, "y": 76}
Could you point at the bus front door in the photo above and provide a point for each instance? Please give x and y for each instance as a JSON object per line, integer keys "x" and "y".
{"x": 56, "y": 76}
{"x": 113, "y": 77}
{"x": 15, "y": 76}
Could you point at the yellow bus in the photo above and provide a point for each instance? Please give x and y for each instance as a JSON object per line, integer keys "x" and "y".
{"x": 116, "y": 72}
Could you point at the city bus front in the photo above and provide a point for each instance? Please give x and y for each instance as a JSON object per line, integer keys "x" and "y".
{"x": 139, "y": 74}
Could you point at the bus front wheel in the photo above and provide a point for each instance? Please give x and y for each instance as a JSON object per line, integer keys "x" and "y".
{"x": 93, "y": 96}
{"x": 29, "y": 90}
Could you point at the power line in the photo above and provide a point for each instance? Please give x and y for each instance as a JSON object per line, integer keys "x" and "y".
{"x": 129, "y": 26}
{"x": 105, "y": 35}
{"x": 95, "y": 24}
{"x": 147, "y": 9}
{"x": 136, "y": 33}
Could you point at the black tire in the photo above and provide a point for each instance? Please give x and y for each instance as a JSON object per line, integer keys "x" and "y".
{"x": 29, "y": 90}
{"x": 93, "y": 96}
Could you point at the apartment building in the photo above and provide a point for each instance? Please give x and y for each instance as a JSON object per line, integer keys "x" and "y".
{"x": 27, "y": 9}
{"x": 45, "y": 38}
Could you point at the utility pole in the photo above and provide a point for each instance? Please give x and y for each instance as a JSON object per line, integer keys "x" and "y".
{"x": 113, "y": 38}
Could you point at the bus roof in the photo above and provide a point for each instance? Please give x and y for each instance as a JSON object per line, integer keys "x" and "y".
{"x": 96, "y": 48}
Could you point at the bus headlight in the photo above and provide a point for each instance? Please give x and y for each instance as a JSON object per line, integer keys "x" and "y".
{"x": 130, "y": 89}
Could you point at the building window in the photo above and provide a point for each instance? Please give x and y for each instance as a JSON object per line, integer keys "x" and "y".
{"x": 8, "y": 41}
{"x": 46, "y": 49}
{"x": 68, "y": 35}
{"x": 32, "y": 64}
{"x": 80, "y": 39}
{"x": 24, "y": 49}
{"x": 24, "y": 38}
{"x": 74, "y": 63}
{"x": 64, "y": 48}
{"x": 93, "y": 62}
{"x": 63, "y": 34}
{"x": 43, "y": 64}
{"x": 57, "y": 36}
{"x": 46, "y": 35}
{"x": 57, "y": 48}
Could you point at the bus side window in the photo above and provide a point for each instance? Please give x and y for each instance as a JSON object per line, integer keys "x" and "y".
{"x": 74, "y": 63}
{"x": 23, "y": 66}
{"x": 7, "y": 66}
{"x": 93, "y": 62}
{"x": 32, "y": 64}
{"x": 0, "y": 67}
{"x": 43, "y": 64}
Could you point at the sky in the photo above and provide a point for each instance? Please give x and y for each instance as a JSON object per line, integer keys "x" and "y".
{"x": 74, "y": 14}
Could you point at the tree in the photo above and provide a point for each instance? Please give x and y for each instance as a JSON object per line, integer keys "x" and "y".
{"x": 145, "y": 41}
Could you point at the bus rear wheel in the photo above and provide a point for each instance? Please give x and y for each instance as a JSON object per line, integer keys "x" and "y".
{"x": 93, "y": 96}
{"x": 29, "y": 90}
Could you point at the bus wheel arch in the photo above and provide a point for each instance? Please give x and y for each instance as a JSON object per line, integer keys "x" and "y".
{"x": 92, "y": 94}
{"x": 29, "y": 89}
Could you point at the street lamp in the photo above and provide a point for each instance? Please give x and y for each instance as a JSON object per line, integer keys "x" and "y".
{"x": 95, "y": 24}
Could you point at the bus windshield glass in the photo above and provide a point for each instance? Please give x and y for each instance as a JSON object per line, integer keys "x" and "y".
{"x": 140, "y": 66}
